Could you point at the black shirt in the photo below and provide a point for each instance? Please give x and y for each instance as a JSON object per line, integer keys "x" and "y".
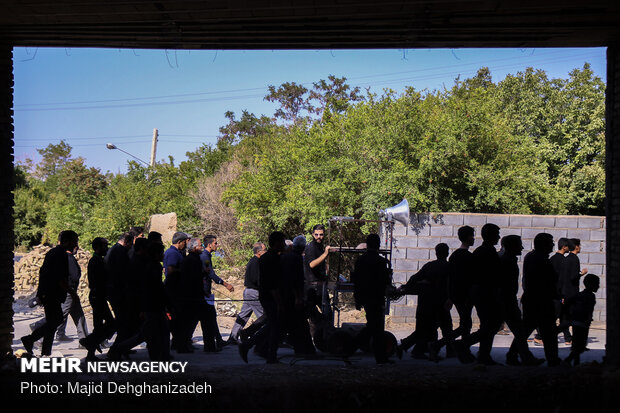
{"x": 53, "y": 273}
{"x": 270, "y": 275}
{"x": 152, "y": 288}
{"x": 371, "y": 276}
{"x": 581, "y": 307}
{"x": 487, "y": 267}
{"x": 539, "y": 278}
{"x": 569, "y": 277}
{"x": 435, "y": 274}
{"x": 252, "y": 274}
{"x": 509, "y": 277}
{"x": 97, "y": 278}
{"x": 319, "y": 273}
{"x": 461, "y": 274}
{"x": 117, "y": 266}
{"x": 192, "y": 278}
{"x": 557, "y": 260}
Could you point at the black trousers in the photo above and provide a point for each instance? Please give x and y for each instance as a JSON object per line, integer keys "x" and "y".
{"x": 541, "y": 315}
{"x": 268, "y": 336}
{"x": 53, "y": 318}
{"x": 375, "y": 324}
{"x": 103, "y": 323}
{"x": 580, "y": 340}
{"x": 512, "y": 317}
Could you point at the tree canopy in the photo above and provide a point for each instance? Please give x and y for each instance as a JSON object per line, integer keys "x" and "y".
{"x": 525, "y": 144}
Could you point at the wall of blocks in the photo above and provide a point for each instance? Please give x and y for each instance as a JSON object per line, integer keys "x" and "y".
{"x": 414, "y": 245}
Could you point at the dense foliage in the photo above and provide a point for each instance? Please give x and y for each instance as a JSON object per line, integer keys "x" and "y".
{"x": 526, "y": 144}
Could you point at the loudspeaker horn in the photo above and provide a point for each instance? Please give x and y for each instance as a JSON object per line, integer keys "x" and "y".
{"x": 399, "y": 212}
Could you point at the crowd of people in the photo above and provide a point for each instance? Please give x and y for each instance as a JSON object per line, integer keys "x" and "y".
{"x": 140, "y": 292}
{"x": 488, "y": 281}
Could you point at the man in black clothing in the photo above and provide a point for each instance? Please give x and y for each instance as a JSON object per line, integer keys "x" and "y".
{"x": 52, "y": 291}
{"x": 432, "y": 299}
{"x": 460, "y": 285}
{"x": 192, "y": 287}
{"x": 511, "y": 314}
{"x": 570, "y": 275}
{"x": 210, "y": 244}
{"x": 250, "y": 293}
{"x": 315, "y": 267}
{"x": 371, "y": 276}
{"x": 268, "y": 292}
{"x": 156, "y": 328}
{"x": 103, "y": 321}
{"x": 539, "y": 291}
{"x": 293, "y": 316}
{"x": 557, "y": 260}
{"x": 485, "y": 294}
{"x": 117, "y": 268}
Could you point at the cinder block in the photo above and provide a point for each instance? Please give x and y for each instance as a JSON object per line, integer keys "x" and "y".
{"x": 588, "y": 222}
{"x": 474, "y": 219}
{"x": 600, "y": 305}
{"x": 530, "y": 233}
{"x": 520, "y": 221}
{"x": 396, "y": 319}
{"x": 596, "y": 258}
{"x": 442, "y": 230}
{"x": 597, "y": 235}
{"x": 399, "y": 253}
{"x": 412, "y": 300}
{"x": 451, "y": 241}
{"x": 422, "y": 219}
{"x": 405, "y": 265}
{"x": 582, "y": 234}
{"x": 510, "y": 231}
{"x": 596, "y": 269}
{"x": 409, "y": 320}
{"x": 528, "y": 245}
{"x": 596, "y": 315}
{"x": 499, "y": 220}
{"x": 399, "y": 277}
{"x": 557, "y": 234}
{"x": 417, "y": 254}
{"x": 399, "y": 229}
{"x": 591, "y": 246}
{"x": 419, "y": 230}
{"x": 543, "y": 221}
{"x": 404, "y": 311}
{"x": 428, "y": 242}
{"x": 566, "y": 222}
{"x": 406, "y": 242}
{"x": 451, "y": 219}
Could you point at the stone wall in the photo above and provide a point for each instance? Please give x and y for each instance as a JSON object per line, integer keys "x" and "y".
{"x": 414, "y": 245}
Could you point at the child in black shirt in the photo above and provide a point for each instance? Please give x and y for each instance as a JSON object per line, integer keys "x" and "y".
{"x": 581, "y": 307}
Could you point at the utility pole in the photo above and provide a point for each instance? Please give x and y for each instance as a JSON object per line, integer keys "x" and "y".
{"x": 154, "y": 147}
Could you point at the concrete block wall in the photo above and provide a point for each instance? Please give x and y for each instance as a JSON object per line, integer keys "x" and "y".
{"x": 414, "y": 245}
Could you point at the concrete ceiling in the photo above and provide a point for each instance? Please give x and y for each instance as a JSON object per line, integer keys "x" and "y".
{"x": 309, "y": 24}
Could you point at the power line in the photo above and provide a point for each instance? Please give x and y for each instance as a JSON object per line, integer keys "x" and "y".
{"x": 18, "y": 106}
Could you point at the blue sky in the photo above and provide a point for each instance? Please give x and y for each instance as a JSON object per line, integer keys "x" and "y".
{"x": 90, "y": 97}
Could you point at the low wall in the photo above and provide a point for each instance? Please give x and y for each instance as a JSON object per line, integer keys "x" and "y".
{"x": 413, "y": 246}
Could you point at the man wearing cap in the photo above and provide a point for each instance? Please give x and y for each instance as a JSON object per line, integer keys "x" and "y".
{"x": 173, "y": 257}
{"x": 250, "y": 293}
